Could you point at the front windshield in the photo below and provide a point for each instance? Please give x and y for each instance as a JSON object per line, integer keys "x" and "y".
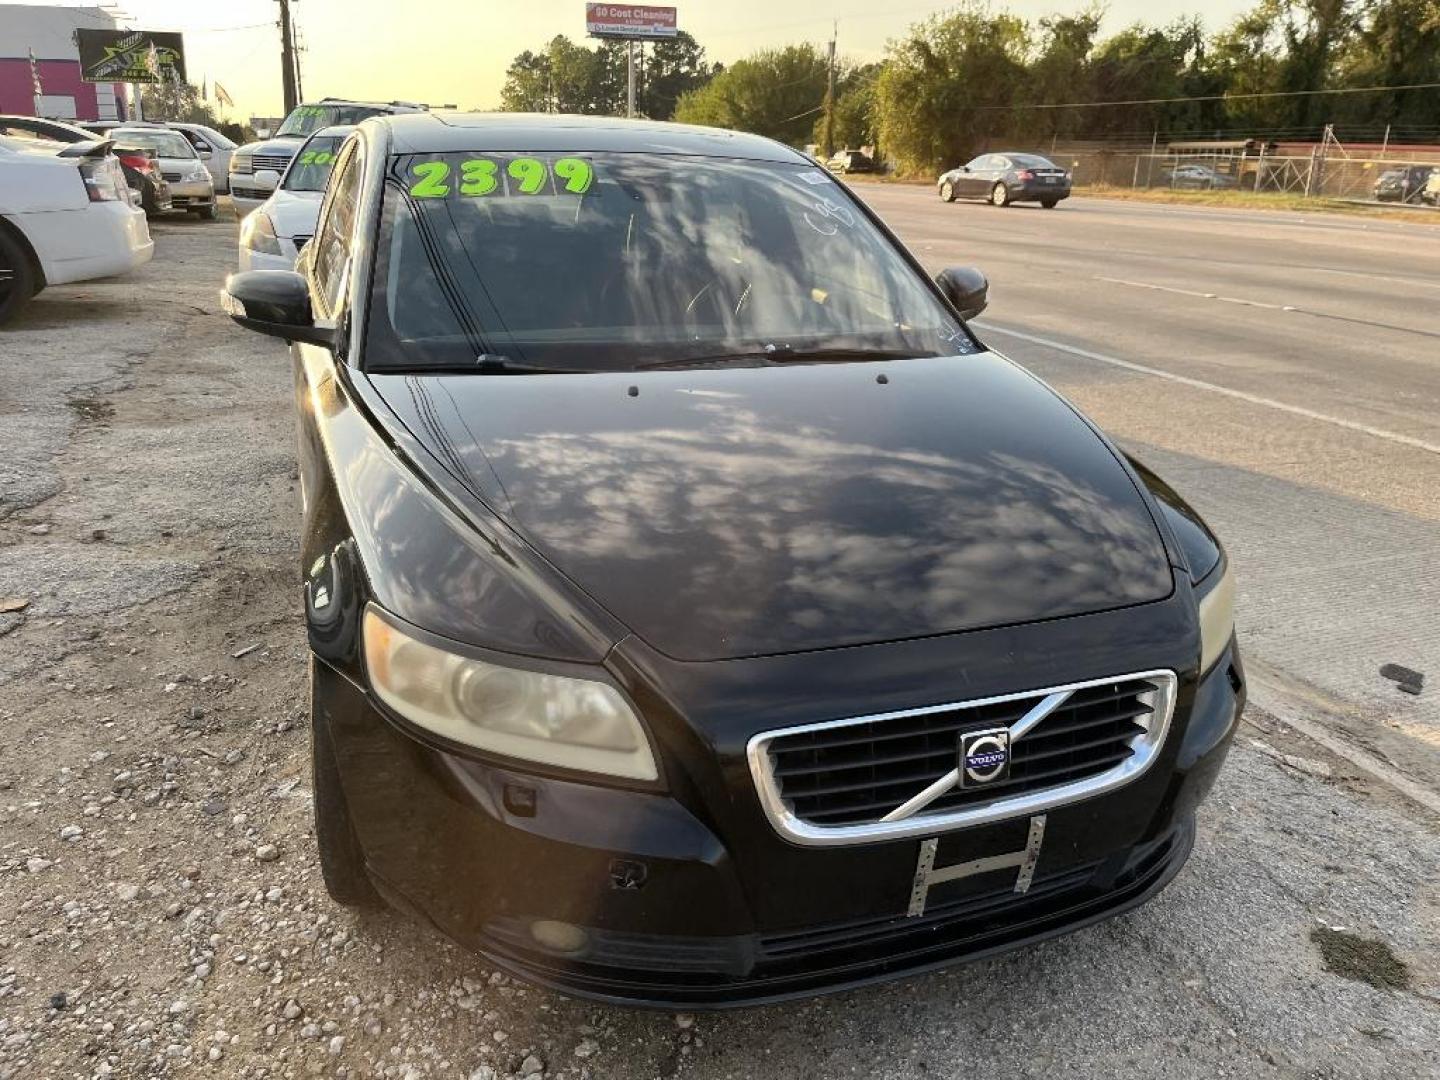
{"x": 614, "y": 261}
{"x": 166, "y": 144}
{"x": 311, "y": 168}
{"x": 308, "y": 119}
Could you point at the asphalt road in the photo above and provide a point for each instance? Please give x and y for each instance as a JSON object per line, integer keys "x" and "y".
{"x": 161, "y": 911}
{"x": 1283, "y": 371}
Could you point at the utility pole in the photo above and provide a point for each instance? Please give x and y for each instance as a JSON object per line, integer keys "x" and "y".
{"x": 829, "y": 146}
{"x": 300, "y": 50}
{"x": 287, "y": 57}
{"x": 630, "y": 77}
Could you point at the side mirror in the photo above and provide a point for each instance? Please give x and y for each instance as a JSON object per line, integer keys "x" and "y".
{"x": 964, "y": 168}
{"x": 274, "y": 302}
{"x": 204, "y": 151}
{"x": 267, "y": 178}
{"x": 965, "y": 288}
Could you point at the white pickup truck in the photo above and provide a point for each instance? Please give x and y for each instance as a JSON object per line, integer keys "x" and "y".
{"x": 65, "y": 215}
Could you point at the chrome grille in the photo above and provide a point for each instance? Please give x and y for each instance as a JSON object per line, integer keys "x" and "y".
{"x": 897, "y": 774}
{"x": 269, "y": 161}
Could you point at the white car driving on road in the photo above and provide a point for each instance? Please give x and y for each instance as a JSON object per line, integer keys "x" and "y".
{"x": 65, "y": 215}
{"x": 190, "y": 185}
{"x": 272, "y": 235}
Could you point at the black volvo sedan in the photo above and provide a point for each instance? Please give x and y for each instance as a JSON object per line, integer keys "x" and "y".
{"x": 699, "y": 613}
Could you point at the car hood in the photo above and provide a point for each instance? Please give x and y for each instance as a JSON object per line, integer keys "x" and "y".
{"x": 735, "y": 512}
{"x": 286, "y": 146}
{"x": 293, "y": 213}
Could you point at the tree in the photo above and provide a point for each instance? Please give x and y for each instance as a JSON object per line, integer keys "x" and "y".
{"x": 776, "y": 92}
{"x": 854, "y": 108}
{"x": 672, "y": 67}
{"x": 947, "y": 87}
{"x": 178, "y": 101}
{"x": 567, "y": 77}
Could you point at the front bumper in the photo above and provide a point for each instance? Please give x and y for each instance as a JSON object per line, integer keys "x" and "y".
{"x": 673, "y": 916}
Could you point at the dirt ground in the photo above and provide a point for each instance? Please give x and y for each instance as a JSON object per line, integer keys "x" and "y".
{"x": 161, "y": 910}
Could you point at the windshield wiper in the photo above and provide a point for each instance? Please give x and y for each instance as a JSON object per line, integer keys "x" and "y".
{"x": 495, "y": 364}
{"x": 792, "y": 356}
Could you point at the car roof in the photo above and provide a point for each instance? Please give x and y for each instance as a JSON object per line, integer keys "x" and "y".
{"x": 333, "y": 131}
{"x": 437, "y": 132}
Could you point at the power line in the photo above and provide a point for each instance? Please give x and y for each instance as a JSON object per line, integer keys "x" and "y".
{"x": 1207, "y": 97}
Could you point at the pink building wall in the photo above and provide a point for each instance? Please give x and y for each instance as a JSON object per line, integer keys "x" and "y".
{"x": 56, "y": 77}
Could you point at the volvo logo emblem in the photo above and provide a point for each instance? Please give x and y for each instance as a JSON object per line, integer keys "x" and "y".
{"x": 984, "y": 757}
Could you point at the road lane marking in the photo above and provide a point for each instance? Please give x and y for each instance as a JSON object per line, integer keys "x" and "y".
{"x": 1270, "y": 307}
{"x": 1200, "y": 295}
{"x": 1214, "y": 388}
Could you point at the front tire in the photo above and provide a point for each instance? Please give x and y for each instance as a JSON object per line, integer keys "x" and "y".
{"x": 17, "y": 276}
{"x": 947, "y": 191}
{"x": 342, "y": 864}
{"x": 1049, "y": 204}
{"x": 205, "y": 213}
{"x": 1000, "y": 195}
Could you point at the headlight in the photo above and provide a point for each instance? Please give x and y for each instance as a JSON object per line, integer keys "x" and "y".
{"x": 1217, "y": 614}
{"x": 257, "y": 232}
{"x": 240, "y": 163}
{"x": 198, "y": 172}
{"x": 552, "y": 719}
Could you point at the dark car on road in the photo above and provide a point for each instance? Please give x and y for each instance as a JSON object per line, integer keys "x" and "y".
{"x": 140, "y": 165}
{"x": 1403, "y": 185}
{"x": 1007, "y": 178}
{"x": 1199, "y": 178}
{"x": 698, "y": 612}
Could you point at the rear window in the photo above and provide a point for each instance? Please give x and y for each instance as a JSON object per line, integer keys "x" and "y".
{"x": 609, "y": 261}
{"x": 1032, "y": 161}
{"x": 166, "y": 144}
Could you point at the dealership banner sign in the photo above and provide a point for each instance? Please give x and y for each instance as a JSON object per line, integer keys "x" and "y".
{"x": 630, "y": 21}
{"x": 133, "y": 56}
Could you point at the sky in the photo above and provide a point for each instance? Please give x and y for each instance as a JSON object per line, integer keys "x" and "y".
{"x": 456, "y": 51}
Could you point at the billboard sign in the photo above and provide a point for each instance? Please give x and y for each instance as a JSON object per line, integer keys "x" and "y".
{"x": 637, "y": 21}
{"x": 133, "y": 56}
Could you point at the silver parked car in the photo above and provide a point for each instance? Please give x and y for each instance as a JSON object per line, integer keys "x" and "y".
{"x": 191, "y": 187}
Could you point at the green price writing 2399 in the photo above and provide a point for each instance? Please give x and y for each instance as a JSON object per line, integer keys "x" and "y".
{"x": 477, "y": 177}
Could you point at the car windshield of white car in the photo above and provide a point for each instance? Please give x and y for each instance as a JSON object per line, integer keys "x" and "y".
{"x": 166, "y": 144}
{"x": 615, "y": 261}
{"x": 308, "y": 119}
{"x": 313, "y": 164}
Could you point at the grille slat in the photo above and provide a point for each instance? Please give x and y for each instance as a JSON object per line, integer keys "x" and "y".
{"x": 269, "y": 161}
{"x": 856, "y": 773}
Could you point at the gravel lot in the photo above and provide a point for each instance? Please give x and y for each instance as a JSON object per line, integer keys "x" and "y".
{"x": 161, "y": 910}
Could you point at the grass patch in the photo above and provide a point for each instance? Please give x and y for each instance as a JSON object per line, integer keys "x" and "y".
{"x": 1366, "y": 960}
{"x": 1263, "y": 200}
{"x": 93, "y": 409}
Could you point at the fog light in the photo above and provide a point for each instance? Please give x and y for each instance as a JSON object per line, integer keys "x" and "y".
{"x": 560, "y": 937}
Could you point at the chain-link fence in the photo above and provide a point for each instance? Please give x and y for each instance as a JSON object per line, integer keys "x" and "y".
{"x": 1324, "y": 170}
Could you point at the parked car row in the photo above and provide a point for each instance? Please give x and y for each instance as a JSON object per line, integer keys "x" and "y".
{"x": 256, "y": 168}
{"x": 1409, "y": 184}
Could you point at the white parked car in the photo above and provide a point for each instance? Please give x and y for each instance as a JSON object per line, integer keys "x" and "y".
{"x": 214, "y": 148}
{"x": 255, "y": 167}
{"x": 190, "y": 185}
{"x": 65, "y": 215}
{"x": 273, "y": 234}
